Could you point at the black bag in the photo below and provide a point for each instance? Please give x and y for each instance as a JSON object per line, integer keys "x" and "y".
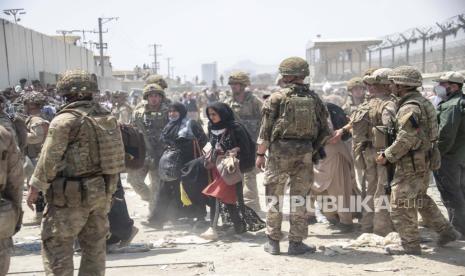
{"x": 194, "y": 178}
{"x": 170, "y": 164}
{"x": 134, "y": 146}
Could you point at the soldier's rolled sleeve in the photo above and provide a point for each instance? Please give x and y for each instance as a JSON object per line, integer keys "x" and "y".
{"x": 407, "y": 135}
{"x": 450, "y": 121}
{"x": 269, "y": 115}
{"x": 51, "y": 157}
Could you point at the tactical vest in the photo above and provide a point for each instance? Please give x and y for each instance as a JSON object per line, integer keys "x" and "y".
{"x": 151, "y": 123}
{"x": 428, "y": 131}
{"x": 361, "y": 123}
{"x": 247, "y": 114}
{"x": 378, "y": 132}
{"x": 297, "y": 115}
{"x": 97, "y": 148}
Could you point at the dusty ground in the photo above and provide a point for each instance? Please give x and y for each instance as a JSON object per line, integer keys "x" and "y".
{"x": 244, "y": 255}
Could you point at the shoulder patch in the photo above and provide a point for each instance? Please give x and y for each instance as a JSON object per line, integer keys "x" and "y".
{"x": 405, "y": 118}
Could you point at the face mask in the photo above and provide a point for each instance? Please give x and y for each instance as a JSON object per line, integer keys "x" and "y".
{"x": 440, "y": 91}
{"x": 173, "y": 117}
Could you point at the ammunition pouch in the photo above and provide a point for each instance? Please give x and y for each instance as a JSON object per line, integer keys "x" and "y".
{"x": 75, "y": 192}
{"x": 380, "y": 137}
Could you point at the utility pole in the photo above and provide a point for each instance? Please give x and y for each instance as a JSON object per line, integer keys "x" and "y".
{"x": 168, "y": 59}
{"x": 155, "y": 56}
{"x": 101, "y": 21}
{"x": 64, "y": 33}
{"x": 14, "y": 13}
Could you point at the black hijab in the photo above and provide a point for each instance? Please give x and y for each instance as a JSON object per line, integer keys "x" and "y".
{"x": 226, "y": 114}
{"x": 170, "y": 131}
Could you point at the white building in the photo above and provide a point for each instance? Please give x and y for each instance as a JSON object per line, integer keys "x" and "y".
{"x": 210, "y": 73}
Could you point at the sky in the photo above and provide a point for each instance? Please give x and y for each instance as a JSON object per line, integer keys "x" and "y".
{"x": 193, "y": 32}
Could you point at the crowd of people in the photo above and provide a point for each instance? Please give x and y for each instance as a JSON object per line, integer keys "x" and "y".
{"x": 379, "y": 140}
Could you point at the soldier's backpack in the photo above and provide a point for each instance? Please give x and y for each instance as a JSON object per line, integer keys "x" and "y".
{"x": 297, "y": 115}
{"x": 134, "y": 146}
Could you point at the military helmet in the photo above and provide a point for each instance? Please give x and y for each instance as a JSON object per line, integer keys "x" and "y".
{"x": 156, "y": 79}
{"x": 239, "y": 77}
{"x": 77, "y": 81}
{"x": 35, "y": 97}
{"x": 152, "y": 88}
{"x": 406, "y": 75}
{"x": 294, "y": 66}
{"x": 354, "y": 82}
{"x": 379, "y": 76}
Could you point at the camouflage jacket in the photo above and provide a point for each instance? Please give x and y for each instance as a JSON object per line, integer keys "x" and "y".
{"x": 37, "y": 130}
{"x": 247, "y": 112}
{"x": 151, "y": 122}
{"x": 11, "y": 168}
{"x": 271, "y": 112}
{"x": 70, "y": 148}
{"x": 414, "y": 132}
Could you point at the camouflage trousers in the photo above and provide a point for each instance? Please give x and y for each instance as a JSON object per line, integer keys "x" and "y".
{"x": 60, "y": 228}
{"x": 136, "y": 178}
{"x": 359, "y": 168}
{"x": 251, "y": 198}
{"x": 409, "y": 196}
{"x": 294, "y": 168}
{"x": 377, "y": 219}
{"x": 5, "y": 247}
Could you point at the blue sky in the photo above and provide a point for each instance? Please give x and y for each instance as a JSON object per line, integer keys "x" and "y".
{"x": 195, "y": 32}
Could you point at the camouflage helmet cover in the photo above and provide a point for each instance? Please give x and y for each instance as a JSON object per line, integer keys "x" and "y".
{"x": 239, "y": 77}
{"x": 35, "y": 97}
{"x": 454, "y": 77}
{"x": 379, "y": 76}
{"x": 406, "y": 75}
{"x": 77, "y": 81}
{"x": 294, "y": 66}
{"x": 152, "y": 89}
{"x": 156, "y": 79}
{"x": 354, "y": 82}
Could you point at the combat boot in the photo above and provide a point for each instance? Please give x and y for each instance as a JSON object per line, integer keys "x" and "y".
{"x": 448, "y": 236}
{"x": 272, "y": 247}
{"x": 400, "y": 250}
{"x": 299, "y": 248}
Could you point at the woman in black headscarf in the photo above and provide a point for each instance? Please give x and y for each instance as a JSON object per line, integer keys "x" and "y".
{"x": 184, "y": 137}
{"x": 226, "y": 135}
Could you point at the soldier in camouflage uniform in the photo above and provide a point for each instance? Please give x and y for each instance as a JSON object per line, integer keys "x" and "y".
{"x": 37, "y": 130}
{"x": 150, "y": 119}
{"x": 416, "y": 132}
{"x": 356, "y": 90}
{"x": 78, "y": 171}
{"x": 121, "y": 109}
{"x": 11, "y": 189}
{"x": 381, "y": 117}
{"x": 246, "y": 108}
{"x": 294, "y": 127}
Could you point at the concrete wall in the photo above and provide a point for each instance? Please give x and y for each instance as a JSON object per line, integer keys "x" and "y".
{"x": 25, "y": 53}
